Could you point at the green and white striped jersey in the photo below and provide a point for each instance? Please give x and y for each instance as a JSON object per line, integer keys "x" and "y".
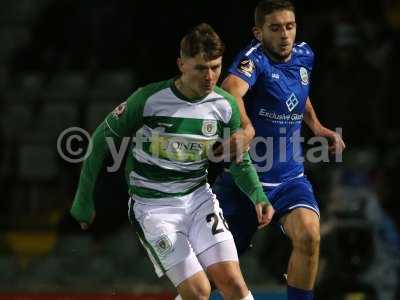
{"x": 171, "y": 137}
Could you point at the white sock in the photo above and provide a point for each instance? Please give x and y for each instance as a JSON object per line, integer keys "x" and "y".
{"x": 248, "y": 297}
{"x": 178, "y": 297}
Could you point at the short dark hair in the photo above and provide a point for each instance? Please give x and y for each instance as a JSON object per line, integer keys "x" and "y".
{"x": 266, "y": 7}
{"x": 204, "y": 40}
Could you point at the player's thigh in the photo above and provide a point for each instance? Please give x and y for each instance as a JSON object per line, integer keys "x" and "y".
{"x": 296, "y": 207}
{"x": 190, "y": 279}
{"x": 221, "y": 260}
{"x": 208, "y": 226}
{"x": 302, "y": 226}
{"x": 165, "y": 240}
{"x": 291, "y": 195}
{"x": 222, "y": 266}
{"x": 221, "y": 252}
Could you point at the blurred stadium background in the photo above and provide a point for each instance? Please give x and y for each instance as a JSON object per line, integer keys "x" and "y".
{"x": 66, "y": 63}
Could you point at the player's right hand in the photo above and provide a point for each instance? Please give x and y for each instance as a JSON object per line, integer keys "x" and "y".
{"x": 85, "y": 225}
{"x": 265, "y": 212}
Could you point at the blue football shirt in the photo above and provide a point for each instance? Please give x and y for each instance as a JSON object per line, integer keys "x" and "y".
{"x": 275, "y": 103}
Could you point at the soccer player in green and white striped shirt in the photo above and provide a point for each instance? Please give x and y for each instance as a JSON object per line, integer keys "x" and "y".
{"x": 178, "y": 219}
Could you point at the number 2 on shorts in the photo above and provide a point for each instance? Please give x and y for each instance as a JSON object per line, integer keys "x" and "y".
{"x": 213, "y": 217}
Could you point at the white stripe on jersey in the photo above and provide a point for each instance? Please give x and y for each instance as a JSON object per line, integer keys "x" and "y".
{"x": 165, "y": 103}
{"x": 252, "y": 49}
{"x": 145, "y": 158}
{"x": 166, "y": 186}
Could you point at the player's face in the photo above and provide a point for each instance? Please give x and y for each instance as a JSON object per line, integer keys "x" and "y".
{"x": 278, "y": 34}
{"x": 200, "y": 75}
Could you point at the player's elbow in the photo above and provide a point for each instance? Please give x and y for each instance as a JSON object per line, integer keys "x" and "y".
{"x": 248, "y": 129}
{"x": 226, "y": 86}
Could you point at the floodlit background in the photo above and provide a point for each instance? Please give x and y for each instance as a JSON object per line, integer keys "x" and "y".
{"x": 66, "y": 63}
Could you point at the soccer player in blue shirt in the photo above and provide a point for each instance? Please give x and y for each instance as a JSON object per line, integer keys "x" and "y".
{"x": 274, "y": 72}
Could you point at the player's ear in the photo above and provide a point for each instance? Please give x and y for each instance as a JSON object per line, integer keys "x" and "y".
{"x": 257, "y": 32}
{"x": 179, "y": 62}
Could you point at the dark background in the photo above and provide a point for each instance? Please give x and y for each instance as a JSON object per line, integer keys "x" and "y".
{"x": 67, "y": 63}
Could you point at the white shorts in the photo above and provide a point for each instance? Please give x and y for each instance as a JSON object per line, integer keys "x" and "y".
{"x": 176, "y": 230}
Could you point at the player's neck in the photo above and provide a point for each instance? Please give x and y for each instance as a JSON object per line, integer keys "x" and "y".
{"x": 276, "y": 58}
{"x": 187, "y": 92}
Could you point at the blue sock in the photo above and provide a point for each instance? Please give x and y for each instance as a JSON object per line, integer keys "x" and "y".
{"x": 299, "y": 294}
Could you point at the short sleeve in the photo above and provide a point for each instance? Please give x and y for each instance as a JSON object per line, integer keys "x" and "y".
{"x": 245, "y": 68}
{"x": 305, "y": 53}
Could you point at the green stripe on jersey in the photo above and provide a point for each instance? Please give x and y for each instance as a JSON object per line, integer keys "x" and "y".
{"x": 150, "y": 193}
{"x": 178, "y": 125}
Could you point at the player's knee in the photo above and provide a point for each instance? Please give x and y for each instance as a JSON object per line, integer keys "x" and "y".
{"x": 232, "y": 286}
{"x": 196, "y": 288}
{"x": 308, "y": 240}
{"x": 199, "y": 291}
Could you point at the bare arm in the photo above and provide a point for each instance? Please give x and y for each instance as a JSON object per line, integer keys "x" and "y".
{"x": 240, "y": 140}
{"x": 311, "y": 119}
{"x": 238, "y": 88}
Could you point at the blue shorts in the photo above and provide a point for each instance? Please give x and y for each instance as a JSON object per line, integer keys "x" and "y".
{"x": 240, "y": 213}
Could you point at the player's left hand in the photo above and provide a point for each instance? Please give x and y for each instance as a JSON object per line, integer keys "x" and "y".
{"x": 265, "y": 212}
{"x": 234, "y": 147}
{"x": 336, "y": 143}
{"x": 85, "y": 225}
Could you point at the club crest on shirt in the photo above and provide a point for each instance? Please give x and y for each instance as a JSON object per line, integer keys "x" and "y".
{"x": 246, "y": 67}
{"x": 209, "y": 127}
{"x": 304, "y": 76}
{"x": 119, "y": 110}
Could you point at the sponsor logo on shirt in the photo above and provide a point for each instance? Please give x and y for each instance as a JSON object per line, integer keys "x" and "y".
{"x": 275, "y": 76}
{"x": 292, "y": 102}
{"x": 180, "y": 148}
{"x": 281, "y": 118}
{"x": 246, "y": 67}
